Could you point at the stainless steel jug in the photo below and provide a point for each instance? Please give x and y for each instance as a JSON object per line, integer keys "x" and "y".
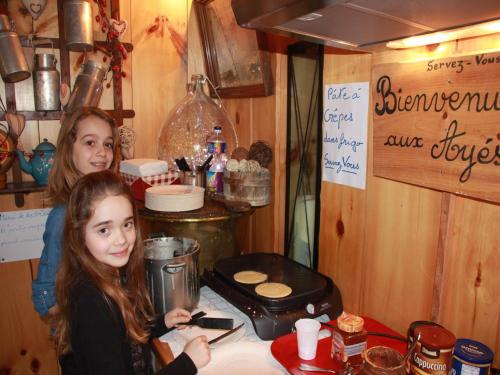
{"x": 46, "y": 83}
{"x": 88, "y": 87}
{"x": 172, "y": 273}
{"x": 13, "y": 64}
{"x": 78, "y": 25}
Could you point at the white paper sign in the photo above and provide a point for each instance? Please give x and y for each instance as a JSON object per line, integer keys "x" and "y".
{"x": 21, "y": 234}
{"x": 345, "y": 129}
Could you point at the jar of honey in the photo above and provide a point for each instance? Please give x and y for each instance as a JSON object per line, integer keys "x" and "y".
{"x": 349, "y": 339}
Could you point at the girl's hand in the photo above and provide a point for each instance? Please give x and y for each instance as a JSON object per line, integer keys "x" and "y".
{"x": 199, "y": 351}
{"x": 176, "y": 316}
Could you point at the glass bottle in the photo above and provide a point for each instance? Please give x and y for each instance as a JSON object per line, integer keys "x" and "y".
{"x": 215, "y": 175}
{"x": 216, "y": 144}
{"x": 189, "y": 125}
{"x": 349, "y": 339}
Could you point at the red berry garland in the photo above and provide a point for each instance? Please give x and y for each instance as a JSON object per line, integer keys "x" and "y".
{"x": 113, "y": 46}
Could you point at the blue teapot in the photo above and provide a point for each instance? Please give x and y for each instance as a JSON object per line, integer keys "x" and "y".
{"x": 40, "y": 163}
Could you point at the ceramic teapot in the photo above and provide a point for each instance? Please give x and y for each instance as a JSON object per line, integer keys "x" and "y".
{"x": 40, "y": 163}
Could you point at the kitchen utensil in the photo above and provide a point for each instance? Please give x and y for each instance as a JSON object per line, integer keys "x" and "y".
{"x": 313, "y": 294}
{"x": 78, "y": 25}
{"x": 46, "y": 81}
{"x": 172, "y": 272}
{"x": 205, "y": 163}
{"x": 40, "y": 163}
{"x": 230, "y": 332}
{"x": 211, "y": 323}
{"x": 182, "y": 164}
{"x": 198, "y": 315}
{"x": 307, "y": 367}
{"x": 174, "y": 198}
{"x": 13, "y": 64}
{"x": 88, "y": 88}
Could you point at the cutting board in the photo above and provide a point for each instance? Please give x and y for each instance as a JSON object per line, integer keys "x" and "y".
{"x": 285, "y": 350}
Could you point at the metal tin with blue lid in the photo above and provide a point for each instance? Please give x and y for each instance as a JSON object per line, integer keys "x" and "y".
{"x": 471, "y": 358}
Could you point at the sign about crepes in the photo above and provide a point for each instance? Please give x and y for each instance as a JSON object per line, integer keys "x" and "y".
{"x": 436, "y": 123}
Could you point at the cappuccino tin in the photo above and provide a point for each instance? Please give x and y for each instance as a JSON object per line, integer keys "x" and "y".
{"x": 471, "y": 358}
{"x": 433, "y": 352}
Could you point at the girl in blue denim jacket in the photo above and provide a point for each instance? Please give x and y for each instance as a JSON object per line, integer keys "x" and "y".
{"x": 88, "y": 142}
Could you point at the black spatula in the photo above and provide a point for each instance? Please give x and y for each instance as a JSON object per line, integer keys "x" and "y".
{"x": 212, "y": 323}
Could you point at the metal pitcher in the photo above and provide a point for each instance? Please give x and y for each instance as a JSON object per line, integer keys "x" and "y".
{"x": 13, "y": 64}
{"x": 46, "y": 82}
{"x": 78, "y": 25}
{"x": 88, "y": 87}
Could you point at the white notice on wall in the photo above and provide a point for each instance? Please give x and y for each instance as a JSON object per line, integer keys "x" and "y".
{"x": 345, "y": 129}
{"x": 21, "y": 234}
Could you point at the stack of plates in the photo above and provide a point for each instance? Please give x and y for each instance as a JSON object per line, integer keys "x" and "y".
{"x": 174, "y": 198}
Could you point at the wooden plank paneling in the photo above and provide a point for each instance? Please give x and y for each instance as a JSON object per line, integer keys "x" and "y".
{"x": 408, "y": 253}
{"x": 343, "y": 209}
{"x": 470, "y": 303}
{"x": 25, "y": 345}
{"x": 159, "y": 68}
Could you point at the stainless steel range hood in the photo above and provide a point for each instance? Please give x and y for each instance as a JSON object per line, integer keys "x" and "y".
{"x": 361, "y": 24}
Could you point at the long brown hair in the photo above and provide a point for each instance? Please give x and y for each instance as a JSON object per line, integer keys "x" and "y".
{"x": 64, "y": 174}
{"x": 125, "y": 287}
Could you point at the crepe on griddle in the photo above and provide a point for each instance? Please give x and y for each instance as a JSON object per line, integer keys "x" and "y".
{"x": 250, "y": 277}
{"x": 273, "y": 290}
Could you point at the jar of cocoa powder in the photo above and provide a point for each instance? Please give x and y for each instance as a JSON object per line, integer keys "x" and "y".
{"x": 433, "y": 352}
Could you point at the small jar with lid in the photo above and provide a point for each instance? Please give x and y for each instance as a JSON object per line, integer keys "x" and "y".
{"x": 349, "y": 339}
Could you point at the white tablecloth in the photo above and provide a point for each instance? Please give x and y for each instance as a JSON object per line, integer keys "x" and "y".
{"x": 209, "y": 300}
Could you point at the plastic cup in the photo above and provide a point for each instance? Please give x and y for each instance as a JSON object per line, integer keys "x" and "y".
{"x": 307, "y": 337}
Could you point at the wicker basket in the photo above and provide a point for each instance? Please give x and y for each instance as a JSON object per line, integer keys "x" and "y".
{"x": 251, "y": 187}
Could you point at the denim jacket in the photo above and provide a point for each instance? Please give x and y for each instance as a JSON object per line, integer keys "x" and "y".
{"x": 43, "y": 287}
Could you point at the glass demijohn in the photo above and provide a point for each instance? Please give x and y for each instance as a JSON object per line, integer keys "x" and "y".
{"x": 189, "y": 125}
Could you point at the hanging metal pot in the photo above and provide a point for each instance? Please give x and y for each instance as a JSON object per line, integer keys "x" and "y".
{"x": 78, "y": 25}
{"x": 88, "y": 87}
{"x": 13, "y": 65}
{"x": 46, "y": 82}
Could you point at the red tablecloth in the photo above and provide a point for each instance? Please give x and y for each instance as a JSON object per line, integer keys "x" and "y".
{"x": 285, "y": 350}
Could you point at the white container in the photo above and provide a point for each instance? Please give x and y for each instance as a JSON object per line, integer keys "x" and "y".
{"x": 174, "y": 198}
{"x": 143, "y": 167}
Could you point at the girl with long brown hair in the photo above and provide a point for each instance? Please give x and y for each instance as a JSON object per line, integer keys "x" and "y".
{"x": 87, "y": 142}
{"x": 105, "y": 316}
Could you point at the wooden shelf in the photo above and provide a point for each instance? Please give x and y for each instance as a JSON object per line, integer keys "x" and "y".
{"x": 56, "y": 115}
{"x": 22, "y": 187}
{"x": 18, "y": 187}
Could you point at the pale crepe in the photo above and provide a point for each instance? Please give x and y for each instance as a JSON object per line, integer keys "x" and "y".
{"x": 250, "y": 277}
{"x": 273, "y": 290}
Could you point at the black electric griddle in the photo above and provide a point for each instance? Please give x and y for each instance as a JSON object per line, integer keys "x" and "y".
{"x": 313, "y": 294}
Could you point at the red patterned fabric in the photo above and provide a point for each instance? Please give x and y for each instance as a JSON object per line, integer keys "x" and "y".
{"x": 138, "y": 184}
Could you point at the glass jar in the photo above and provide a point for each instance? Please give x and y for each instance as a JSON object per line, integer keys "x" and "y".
{"x": 381, "y": 360}
{"x": 349, "y": 339}
{"x": 190, "y": 124}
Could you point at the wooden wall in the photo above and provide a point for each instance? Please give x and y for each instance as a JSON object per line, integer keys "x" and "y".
{"x": 157, "y": 72}
{"x": 401, "y": 253}
{"x": 398, "y": 252}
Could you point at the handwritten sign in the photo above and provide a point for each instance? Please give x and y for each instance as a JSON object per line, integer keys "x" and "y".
{"x": 21, "y": 234}
{"x": 345, "y": 124}
{"x": 436, "y": 123}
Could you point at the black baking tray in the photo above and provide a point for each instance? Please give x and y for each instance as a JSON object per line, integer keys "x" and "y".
{"x": 307, "y": 285}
